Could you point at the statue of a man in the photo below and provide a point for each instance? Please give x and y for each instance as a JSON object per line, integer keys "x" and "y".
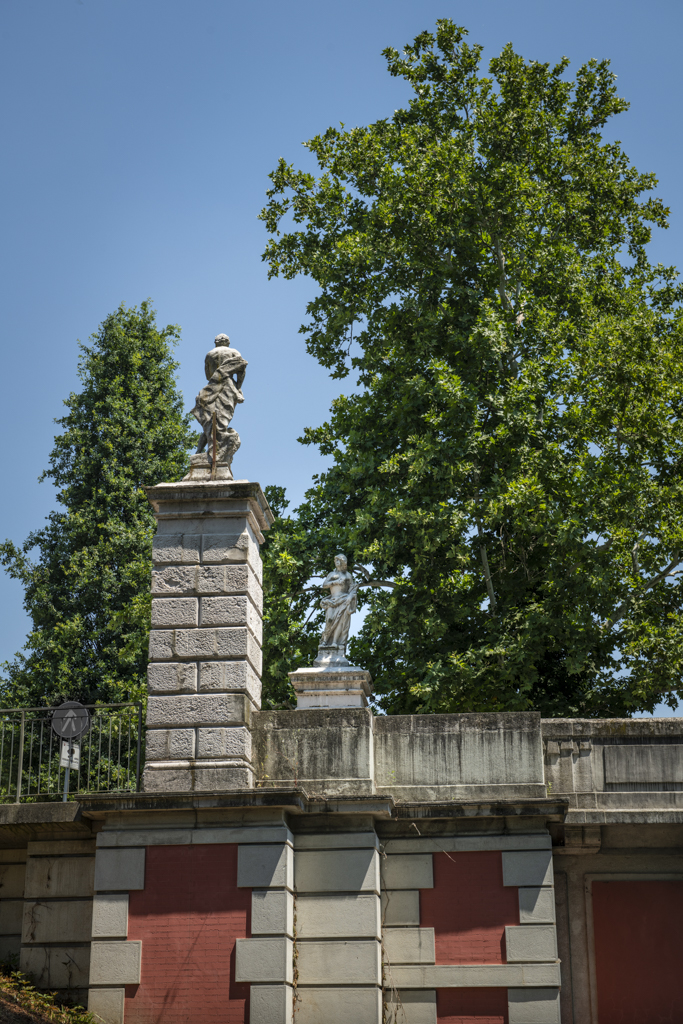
{"x": 215, "y": 403}
{"x": 339, "y": 607}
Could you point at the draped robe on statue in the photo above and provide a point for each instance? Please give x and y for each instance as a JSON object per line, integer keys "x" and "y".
{"x": 220, "y": 396}
{"x": 339, "y": 607}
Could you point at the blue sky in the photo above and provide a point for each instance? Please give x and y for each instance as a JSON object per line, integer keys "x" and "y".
{"x": 138, "y": 136}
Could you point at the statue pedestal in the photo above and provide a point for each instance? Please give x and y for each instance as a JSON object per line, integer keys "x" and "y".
{"x": 201, "y": 469}
{"x": 204, "y": 674}
{"x": 331, "y": 684}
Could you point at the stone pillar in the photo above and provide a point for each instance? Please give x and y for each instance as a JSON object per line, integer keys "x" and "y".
{"x": 204, "y": 671}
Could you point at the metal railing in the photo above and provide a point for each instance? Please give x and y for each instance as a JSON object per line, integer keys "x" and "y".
{"x": 30, "y": 753}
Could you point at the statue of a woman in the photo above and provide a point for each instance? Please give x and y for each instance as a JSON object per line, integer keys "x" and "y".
{"x": 214, "y": 408}
{"x": 215, "y": 403}
{"x": 339, "y": 607}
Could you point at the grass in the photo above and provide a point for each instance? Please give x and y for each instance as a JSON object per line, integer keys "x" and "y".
{"x": 22, "y": 1003}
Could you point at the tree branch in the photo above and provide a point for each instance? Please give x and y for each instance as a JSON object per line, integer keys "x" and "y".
{"x": 487, "y": 571}
{"x": 502, "y": 279}
{"x": 647, "y": 585}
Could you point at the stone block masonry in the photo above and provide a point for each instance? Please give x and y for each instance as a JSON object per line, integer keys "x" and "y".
{"x": 204, "y": 671}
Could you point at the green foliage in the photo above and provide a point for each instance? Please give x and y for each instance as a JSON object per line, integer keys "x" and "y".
{"x": 17, "y": 990}
{"x": 88, "y": 590}
{"x": 512, "y": 454}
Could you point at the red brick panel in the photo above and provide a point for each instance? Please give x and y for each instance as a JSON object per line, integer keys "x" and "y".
{"x": 188, "y": 917}
{"x": 469, "y": 907}
{"x": 472, "y": 1005}
{"x": 638, "y": 942}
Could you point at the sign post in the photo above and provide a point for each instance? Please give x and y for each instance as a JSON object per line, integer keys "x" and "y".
{"x": 70, "y": 720}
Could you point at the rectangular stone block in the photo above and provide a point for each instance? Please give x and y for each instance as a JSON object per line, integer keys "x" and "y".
{"x": 409, "y": 945}
{"x": 229, "y": 677}
{"x": 338, "y": 916}
{"x": 59, "y": 876}
{"x": 230, "y": 579}
{"x": 264, "y": 960}
{"x": 12, "y": 880}
{"x": 199, "y": 643}
{"x": 337, "y": 871}
{"x": 339, "y": 1005}
{"x": 56, "y": 966}
{"x": 221, "y": 642}
{"x": 164, "y": 677}
{"x": 175, "y": 579}
{"x": 170, "y": 744}
{"x": 198, "y": 709}
{"x": 407, "y": 871}
{"x": 401, "y": 907}
{"x": 107, "y": 1004}
{"x": 413, "y": 1007}
{"x": 271, "y": 1004}
{"x": 265, "y": 867}
{"x": 180, "y": 548}
{"x": 231, "y": 611}
{"x": 272, "y": 912}
{"x": 56, "y": 921}
{"x": 195, "y": 832}
{"x": 119, "y": 869}
{"x": 337, "y": 963}
{"x": 13, "y": 856}
{"x": 238, "y": 642}
{"x": 214, "y": 778}
{"x": 161, "y": 644}
{"x": 536, "y": 905}
{"x": 115, "y": 963}
{"x": 174, "y": 611}
{"x": 437, "y": 976}
{"x": 11, "y": 914}
{"x": 211, "y": 579}
{"x": 225, "y": 547}
{"x": 110, "y": 916}
{"x": 530, "y": 943}
{"x": 234, "y": 741}
{"x": 533, "y": 1006}
{"x": 649, "y": 763}
{"x": 224, "y": 611}
{"x": 532, "y": 867}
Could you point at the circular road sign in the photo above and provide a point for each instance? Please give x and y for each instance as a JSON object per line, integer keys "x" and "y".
{"x": 70, "y": 720}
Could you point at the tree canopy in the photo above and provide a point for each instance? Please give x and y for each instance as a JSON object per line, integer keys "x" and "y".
{"x": 510, "y": 452}
{"x": 87, "y": 592}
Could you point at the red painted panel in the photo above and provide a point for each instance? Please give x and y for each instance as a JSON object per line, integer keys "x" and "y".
{"x": 188, "y": 917}
{"x": 638, "y": 941}
{"x": 472, "y": 1005}
{"x": 469, "y": 907}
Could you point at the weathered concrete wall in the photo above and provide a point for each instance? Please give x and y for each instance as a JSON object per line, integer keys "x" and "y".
{"x": 410, "y": 758}
{"x": 329, "y": 753}
{"x": 620, "y": 770}
{"x": 459, "y": 757}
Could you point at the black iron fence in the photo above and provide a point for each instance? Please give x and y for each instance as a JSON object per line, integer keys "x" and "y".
{"x": 33, "y": 758}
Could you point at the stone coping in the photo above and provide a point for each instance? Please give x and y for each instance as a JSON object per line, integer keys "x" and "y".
{"x": 214, "y": 490}
{"x": 297, "y": 801}
{"x": 623, "y": 729}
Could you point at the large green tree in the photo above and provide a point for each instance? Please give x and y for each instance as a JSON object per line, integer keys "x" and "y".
{"x": 511, "y": 452}
{"x": 87, "y": 591}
